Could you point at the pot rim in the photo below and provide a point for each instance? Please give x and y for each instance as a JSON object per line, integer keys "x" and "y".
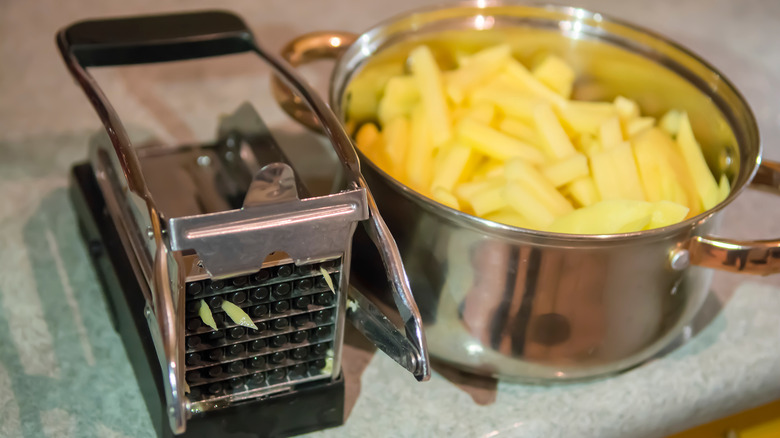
{"x": 361, "y": 47}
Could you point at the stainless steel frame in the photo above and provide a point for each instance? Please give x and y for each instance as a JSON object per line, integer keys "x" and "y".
{"x": 231, "y": 242}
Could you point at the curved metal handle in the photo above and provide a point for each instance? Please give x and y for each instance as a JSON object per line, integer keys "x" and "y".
{"x": 758, "y": 257}
{"x": 306, "y": 48}
{"x": 138, "y": 40}
{"x": 171, "y": 356}
{"x": 310, "y": 110}
{"x": 377, "y": 230}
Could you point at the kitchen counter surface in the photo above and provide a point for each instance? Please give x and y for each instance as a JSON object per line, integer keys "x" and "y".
{"x": 64, "y": 373}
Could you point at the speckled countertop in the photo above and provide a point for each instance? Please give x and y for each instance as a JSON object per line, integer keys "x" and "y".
{"x": 63, "y": 371}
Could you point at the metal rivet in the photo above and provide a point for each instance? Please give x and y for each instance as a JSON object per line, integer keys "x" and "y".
{"x": 679, "y": 259}
{"x": 204, "y": 161}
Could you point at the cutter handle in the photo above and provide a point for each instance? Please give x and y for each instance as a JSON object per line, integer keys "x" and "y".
{"x": 141, "y": 40}
{"x": 138, "y": 40}
{"x": 157, "y": 38}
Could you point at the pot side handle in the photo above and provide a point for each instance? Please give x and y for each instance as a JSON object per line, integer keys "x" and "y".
{"x": 304, "y": 49}
{"x": 757, "y": 257}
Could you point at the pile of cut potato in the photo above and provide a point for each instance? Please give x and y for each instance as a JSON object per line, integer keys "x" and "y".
{"x": 506, "y": 143}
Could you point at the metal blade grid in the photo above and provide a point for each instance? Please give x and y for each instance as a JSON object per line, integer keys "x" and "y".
{"x": 294, "y": 311}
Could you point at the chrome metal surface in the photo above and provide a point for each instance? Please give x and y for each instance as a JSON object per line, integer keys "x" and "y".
{"x": 530, "y": 305}
{"x": 236, "y": 242}
{"x": 275, "y": 201}
{"x": 271, "y": 228}
{"x": 377, "y": 328}
{"x": 153, "y": 272}
{"x": 273, "y": 183}
{"x": 105, "y": 166}
{"x": 376, "y": 227}
{"x": 400, "y": 286}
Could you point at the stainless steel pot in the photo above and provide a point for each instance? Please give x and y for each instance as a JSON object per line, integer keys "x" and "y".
{"x": 531, "y": 305}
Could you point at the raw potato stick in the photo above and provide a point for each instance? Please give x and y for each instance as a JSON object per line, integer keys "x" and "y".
{"x": 606, "y": 217}
{"x": 488, "y": 200}
{"x": 706, "y": 187}
{"x": 528, "y": 206}
{"x": 328, "y": 280}
{"x": 627, "y": 175}
{"x": 445, "y": 197}
{"x": 584, "y": 191}
{"x": 518, "y": 170}
{"x": 610, "y": 134}
{"x": 420, "y": 154}
{"x": 400, "y": 97}
{"x": 511, "y": 102}
{"x": 205, "y": 315}
{"x": 554, "y": 139}
{"x": 556, "y": 74}
{"x": 479, "y": 67}
{"x": 566, "y": 170}
{"x": 237, "y": 315}
{"x": 429, "y": 83}
{"x": 455, "y": 159}
{"x": 496, "y": 144}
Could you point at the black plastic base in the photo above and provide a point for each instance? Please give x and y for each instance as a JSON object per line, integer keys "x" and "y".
{"x": 306, "y": 409}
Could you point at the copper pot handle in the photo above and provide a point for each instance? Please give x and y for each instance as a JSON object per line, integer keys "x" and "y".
{"x": 758, "y": 257}
{"x": 306, "y": 48}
